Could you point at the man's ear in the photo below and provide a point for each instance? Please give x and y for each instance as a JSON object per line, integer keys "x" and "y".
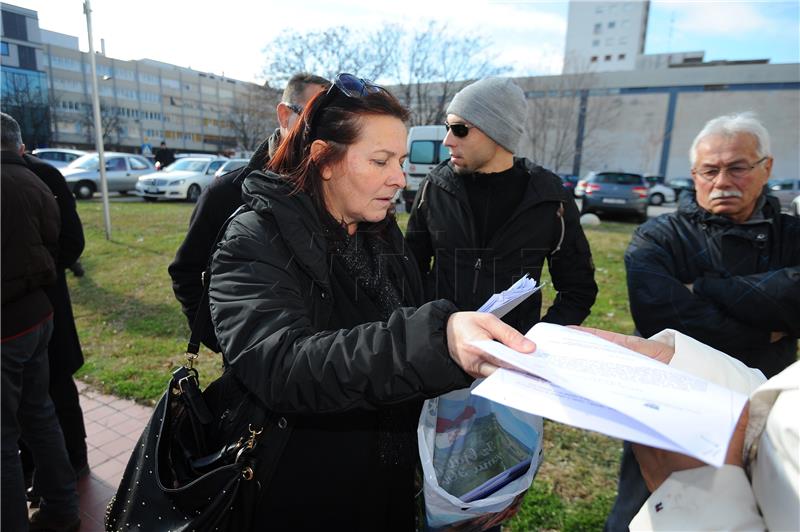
{"x": 283, "y": 113}
{"x": 21, "y": 150}
{"x": 317, "y": 149}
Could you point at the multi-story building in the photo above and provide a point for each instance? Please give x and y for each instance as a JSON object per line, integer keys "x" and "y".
{"x": 23, "y": 79}
{"x": 142, "y": 101}
{"x": 605, "y": 36}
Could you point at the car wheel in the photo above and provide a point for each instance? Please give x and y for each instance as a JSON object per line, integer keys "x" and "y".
{"x": 193, "y": 194}
{"x": 657, "y": 199}
{"x": 641, "y": 217}
{"x": 123, "y": 192}
{"x": 146, "y": 198}
{"x": 84, "y": 190}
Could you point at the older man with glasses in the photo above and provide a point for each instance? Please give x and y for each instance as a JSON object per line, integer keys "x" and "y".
{"x": 484, "y": 218}
{"x": 724, "y": 268}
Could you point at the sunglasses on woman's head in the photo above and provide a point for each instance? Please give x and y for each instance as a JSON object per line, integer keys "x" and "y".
{"x": 348, "y": 85}
{"x": 458, "y": 130}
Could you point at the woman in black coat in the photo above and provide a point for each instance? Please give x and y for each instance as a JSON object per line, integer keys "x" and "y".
{"x": 318, "y": 309}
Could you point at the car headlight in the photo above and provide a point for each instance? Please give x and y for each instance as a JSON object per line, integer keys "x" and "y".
{"x": 176, "y": 182}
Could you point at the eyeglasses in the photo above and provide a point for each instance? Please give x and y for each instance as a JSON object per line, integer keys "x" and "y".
{"x": 296, "y": 109}
{"x": 348, "y": 85}
{"x": 458, "y": 130}
{"x": 736, "y": 171}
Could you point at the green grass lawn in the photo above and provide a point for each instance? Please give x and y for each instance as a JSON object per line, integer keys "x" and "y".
{"x": 133, "y": 333}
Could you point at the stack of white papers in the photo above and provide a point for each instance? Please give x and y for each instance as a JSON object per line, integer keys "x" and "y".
{"x": 580, "y": 379}
{"x": 502, "y": 303}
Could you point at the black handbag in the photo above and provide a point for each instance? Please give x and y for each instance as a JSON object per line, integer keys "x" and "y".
{"x": 203, "y": 457}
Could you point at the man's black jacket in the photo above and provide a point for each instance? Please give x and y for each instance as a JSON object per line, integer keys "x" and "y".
{"x": 544, "y": 227}
{"x": 217, "y": 202}
{"x": 65, "y": 348}
{"x": 745, "y": 281}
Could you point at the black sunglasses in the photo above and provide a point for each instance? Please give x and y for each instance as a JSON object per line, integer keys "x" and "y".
{"x": 348, "y": 85}
{"x": 459, "y": 130}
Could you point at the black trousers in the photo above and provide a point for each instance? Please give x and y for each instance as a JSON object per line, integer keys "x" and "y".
{"x": 65, "y": 398}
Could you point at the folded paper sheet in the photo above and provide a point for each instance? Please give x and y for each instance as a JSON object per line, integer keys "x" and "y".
{"x": 579, "y": 379}
{"x": 504, "y": 302}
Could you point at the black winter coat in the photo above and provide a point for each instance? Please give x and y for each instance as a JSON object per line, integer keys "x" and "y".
{"x": 545, "y": 226}
{"x": 308, "y": 344}
{"x": 745, "y": 281}
{"x": 64, "y": 352}
{"x": 30, "y": 227}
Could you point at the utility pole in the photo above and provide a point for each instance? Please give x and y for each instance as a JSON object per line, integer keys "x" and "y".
{"x": 98, "y": 124}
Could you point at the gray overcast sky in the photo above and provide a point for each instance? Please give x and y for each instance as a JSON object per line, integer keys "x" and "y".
{"x": 228, "y": 37}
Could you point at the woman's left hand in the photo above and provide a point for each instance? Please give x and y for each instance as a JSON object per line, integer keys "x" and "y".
{"x": 466, "y": 327}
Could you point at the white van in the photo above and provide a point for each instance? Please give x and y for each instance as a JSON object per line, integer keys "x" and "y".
{"x": 425, "y": 151}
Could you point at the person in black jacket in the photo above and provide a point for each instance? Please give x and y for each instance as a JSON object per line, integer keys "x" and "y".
{"x": 318, "y": 308}
{"x": 483, "y": 219}
{"x": 164, "y": 156}
{"x": 224, "y": 196}
{"x": 30, "y": 228}
{"x": 64, "y": 351}
{"x": 724, "y": 268}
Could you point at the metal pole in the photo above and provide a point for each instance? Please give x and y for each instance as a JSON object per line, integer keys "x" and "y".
{"x": 98, "y": 124}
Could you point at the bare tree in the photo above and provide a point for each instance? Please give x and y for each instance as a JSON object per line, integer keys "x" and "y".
{"x": 110, "y": 122}
{"x": 26, "y": 99}
{"x": 424, "y": 67}
{"x": 252, "y": 117}
{"x": 327, "y": 53}
{"x": 558, "y": 112}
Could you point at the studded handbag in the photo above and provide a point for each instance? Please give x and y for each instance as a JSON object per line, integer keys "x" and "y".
{"x": 203, "y": 457}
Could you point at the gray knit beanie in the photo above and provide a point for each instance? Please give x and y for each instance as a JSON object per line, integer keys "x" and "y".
{"x": 496, "y": 106}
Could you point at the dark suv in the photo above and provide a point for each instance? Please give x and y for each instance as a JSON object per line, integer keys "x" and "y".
{"x": 616, "y": 192}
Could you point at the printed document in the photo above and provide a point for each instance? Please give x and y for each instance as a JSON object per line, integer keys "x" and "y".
{"x": 504, "y": 302}
{"x": 582, "y": 380}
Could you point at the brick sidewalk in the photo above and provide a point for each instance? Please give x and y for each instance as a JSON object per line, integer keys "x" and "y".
{"x": 112, "y": 427}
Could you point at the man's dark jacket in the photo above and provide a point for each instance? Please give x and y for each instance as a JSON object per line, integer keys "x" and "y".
{"x": 217, "y": 202}
{"x": 544, "y": 227}
{"x": 745, "y": 281}
{"x": 65, "y": 353}
{"x": 30, "y": 227}
{"x": 294, "y": 329}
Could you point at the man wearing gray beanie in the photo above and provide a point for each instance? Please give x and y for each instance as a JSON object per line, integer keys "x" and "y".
{"x": 484, "y": 218}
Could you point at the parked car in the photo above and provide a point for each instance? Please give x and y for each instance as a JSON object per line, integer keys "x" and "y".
{"x": 230, "y": 165}
{"x": 615, "y": 192}
{"x": 657, "y": 192}
{"x": 795, "y": 206}
{"x": 680, "y": 185}
{"x": 569, "y": 181}
{"x": 122, "y": 172}
{"x": 425, "y": 151}
{"x": 786, "y": 190}
{"x": 58, "y": 157}
{"x": 185, "y": 179}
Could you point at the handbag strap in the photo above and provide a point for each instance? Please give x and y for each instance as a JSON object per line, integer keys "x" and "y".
{"x": 203, "y": 314}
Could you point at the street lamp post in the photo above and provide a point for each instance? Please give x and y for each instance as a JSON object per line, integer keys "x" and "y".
{"x": 98, "y": 125}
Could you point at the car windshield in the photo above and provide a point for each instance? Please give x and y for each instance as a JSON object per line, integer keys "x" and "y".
{"x": 87, "y": 162}
{"x": 189, "y": 165}
{"x": 619, "y": 179}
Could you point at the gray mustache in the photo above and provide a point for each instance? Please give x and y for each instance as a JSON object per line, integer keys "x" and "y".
{"x": 716, "y": 194}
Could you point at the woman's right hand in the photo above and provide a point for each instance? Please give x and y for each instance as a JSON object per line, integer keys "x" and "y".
{"x": 463, "y": 328}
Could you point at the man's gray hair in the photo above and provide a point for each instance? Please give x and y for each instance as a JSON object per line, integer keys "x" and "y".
{"x": 10, "y": 135}
{"x": 731, "y": 125}
{"x": 296, "y": 86}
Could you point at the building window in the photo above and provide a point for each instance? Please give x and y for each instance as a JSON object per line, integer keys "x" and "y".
{"x": 608, "y": 58}
{"x": 621, "y": 57}
{"x": 598, "y": 9}
{"x": 594, "y": 59}
{"x": 27, "y": 57}
{"x": 14, "y": 26}
{"x": 598, "y": 28}
{"x": 623, "y": 41}
{"x": 611, "y": 25}
{"x": 609, "y": 42}
{"x": 5, "y": 48}
{"x": 596, "y": 42}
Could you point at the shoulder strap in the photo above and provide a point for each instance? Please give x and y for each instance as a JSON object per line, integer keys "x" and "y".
{"x": 202, "y": 316}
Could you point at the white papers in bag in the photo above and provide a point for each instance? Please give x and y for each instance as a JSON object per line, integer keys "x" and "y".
{"x": 504, "y": 302}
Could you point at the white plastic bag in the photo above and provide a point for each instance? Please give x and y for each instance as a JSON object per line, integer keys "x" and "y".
{"x": 465, "y": 440}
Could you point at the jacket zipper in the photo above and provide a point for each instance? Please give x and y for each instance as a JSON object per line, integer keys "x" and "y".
{"x": 477, "y": 268}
